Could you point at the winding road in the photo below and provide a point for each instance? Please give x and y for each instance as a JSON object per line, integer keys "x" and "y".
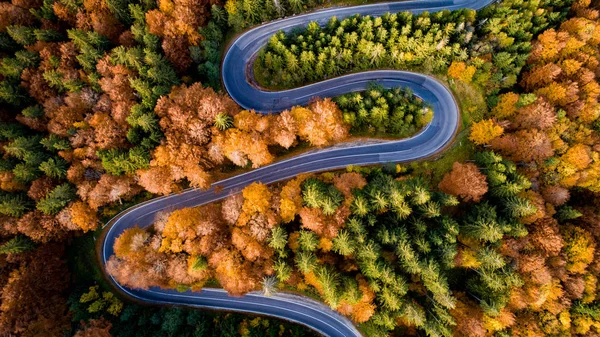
{"x": 431, "y": 140}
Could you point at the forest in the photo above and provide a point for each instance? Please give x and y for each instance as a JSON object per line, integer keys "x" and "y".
{"x": 107, "y": 103}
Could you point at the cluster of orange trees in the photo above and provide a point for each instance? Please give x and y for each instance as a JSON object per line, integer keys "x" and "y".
{"x": 502, "y": 247}
{"x": 482, "y": 254}
{"x": 100, "y": 100}
{"x": 94, "y": 110}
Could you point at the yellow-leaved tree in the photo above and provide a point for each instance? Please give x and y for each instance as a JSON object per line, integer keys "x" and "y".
{"x": 483, "y": 132}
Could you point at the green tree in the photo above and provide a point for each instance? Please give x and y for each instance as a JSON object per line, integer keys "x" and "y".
{"x": 223, "y": 121}
{"x": 23, "y": 35}
{"x": 57, "y": 199}
{"x": 306, "y": 261}
{"x": 278, "y": 239}
{"x": 16, "y": 245}
{"x": 481, "y": 223}
{"x": 55, "y": 168}
{"x": 343, "y": 243}
{"x": 308, "y": 240}
{"x": 13, "y": 204}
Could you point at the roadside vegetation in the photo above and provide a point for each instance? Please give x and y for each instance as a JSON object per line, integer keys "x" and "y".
{"x": 427, "y": 42}
{"x": 104, "y": 103}
{"x": 384, "y": 248}
{"x": 97, "y": 313}
{"x": 394, "y": 112}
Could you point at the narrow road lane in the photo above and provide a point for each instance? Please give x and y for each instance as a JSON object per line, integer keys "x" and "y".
{"x": 431, "y": 140}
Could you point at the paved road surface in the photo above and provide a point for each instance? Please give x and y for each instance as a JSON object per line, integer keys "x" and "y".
{"x": 431, "y": 140}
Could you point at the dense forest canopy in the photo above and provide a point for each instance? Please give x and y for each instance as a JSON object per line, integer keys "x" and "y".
{"x": 105, "y": 103}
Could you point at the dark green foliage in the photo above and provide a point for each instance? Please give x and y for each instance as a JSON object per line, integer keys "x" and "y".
{"x": 361, "y": 43}
{"x": 55, "y": 168}
{"x": 26, "y": 173}
{"x": 120, "y": 8}
{"x": 395, "y": 112}
{"x": 12, "y": 93}
{"x": 57, "y": 81}
{"x": 22, "y": 35}
{"x": 72, "y": 5}
{"x": 491, "y": 287}
{"x": 566, "y": 213}
{"x": 48, "y": 35}
{"x": 16, "y": 245}
{"x": 401, "y": 232}
{"x": 249, "y": 13}
{"x": 91, "y": 46}
{"x": 425, "y": 42}
{"x": 55, "y": 143}
{"x": 9, "y": 131}
{"x": 45, "y": 12}
{"x": 11, "y": 68}
{"x": 118, "y": 162}
{"x": 27, "y": 152}
{"x": 57, "y": 199}
{"x": 208, "y": 53}
{"x": 28, "y": 58}
{"x": 24, "y": 147}
{"x": 14, "y": 204}
{"x": 317, "y": 194}
{"x": 150, "y": 321}
{"x": 33, "y": 111}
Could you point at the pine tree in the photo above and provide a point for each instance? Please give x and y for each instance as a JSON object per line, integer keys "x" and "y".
{"x": 14, "y": 205}
{"x": 26, "y": 173}
{"x": 282, "y": 270}
{"x": 16, "y": 245}
{"x": 57, "y": 199}
{"x": 278, "y": 239}
{"x": 23, "y": 35}
{"x": 343, "y": 244}
{"x": 55, "y": 143}
{"x": 12, "y": 93}
{"x": 566, "y": 213}
{"x": 360, "y": 205}
{"x": 308, "y": 240}
{"x": 223, "y": 121}
{"x": 306, "y": 261}
{"x": 481, "y": 223}
{"x": 33, "y": 111}
{"x": 519, "y": 207}
{"x": 269, "y": 285}
{"x": 55, "y": 168}
{"x": 329, "y": 281}
{"x": 490, "y": 258}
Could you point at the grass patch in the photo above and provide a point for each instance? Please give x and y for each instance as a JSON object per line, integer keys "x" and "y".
{"x": 471, "y": 102}
{"x": 83, "y": 262}
{"x": 473, "y": 108}
{"x": 433, "y": 170}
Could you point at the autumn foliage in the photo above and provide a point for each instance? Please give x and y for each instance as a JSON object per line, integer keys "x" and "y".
{"x": 464, "y": 181}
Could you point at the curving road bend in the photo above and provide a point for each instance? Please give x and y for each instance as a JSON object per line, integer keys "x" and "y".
{"x": 431, "y": 140}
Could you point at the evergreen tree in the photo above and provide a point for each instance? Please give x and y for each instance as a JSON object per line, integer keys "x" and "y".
{"x": 278, "y": 239}
{"x": 16, "y": 245}
{"x": 57, "y": 199}
{"x": 343, "y": 244}
{"x": 308, "y": 240}
{"x": 55, "y": 168}
{"x": 13, "y": 204}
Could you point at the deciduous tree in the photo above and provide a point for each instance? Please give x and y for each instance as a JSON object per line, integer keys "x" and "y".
{"x": 464, "y": 181}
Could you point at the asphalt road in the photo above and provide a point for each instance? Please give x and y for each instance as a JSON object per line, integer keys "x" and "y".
{"x": 431, "y": 140}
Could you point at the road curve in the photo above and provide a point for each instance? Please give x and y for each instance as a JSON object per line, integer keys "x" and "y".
{"x": 431, "y": 140}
